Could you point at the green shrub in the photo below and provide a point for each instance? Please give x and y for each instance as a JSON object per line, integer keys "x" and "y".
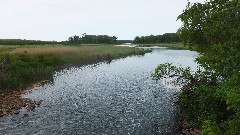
{"x": 206, "y": 101}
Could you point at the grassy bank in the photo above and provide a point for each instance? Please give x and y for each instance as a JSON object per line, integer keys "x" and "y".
{"x": 176, "y": 46}
{"x": 21, "y": 66}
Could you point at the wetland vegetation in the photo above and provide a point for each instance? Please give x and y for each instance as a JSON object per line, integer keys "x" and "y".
{"x": 28, "y": 64}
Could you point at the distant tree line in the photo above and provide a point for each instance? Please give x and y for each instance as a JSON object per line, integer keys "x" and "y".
{"x": 92, "y": 39}
{"x": 165, "y": 38}
{"x": 25, "y": 42}
{"x": 97, "y": 39}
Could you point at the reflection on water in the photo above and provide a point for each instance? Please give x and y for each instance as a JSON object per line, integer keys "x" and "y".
{"x": 115, "y": 98}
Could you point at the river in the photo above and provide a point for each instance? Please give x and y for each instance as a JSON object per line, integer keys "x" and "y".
{"x": 105, "y": 98}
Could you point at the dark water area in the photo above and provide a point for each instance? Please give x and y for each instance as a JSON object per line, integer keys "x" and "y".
{"x": 104, "y": 99}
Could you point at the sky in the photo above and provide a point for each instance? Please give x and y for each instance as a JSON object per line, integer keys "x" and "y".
{"x": 59, "y": 19}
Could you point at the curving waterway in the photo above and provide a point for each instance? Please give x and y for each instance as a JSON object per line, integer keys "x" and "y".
{"x": 104, "y": 99}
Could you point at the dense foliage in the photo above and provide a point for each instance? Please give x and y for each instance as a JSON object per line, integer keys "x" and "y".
{"x": 25, "y": 42}
{"x": 165, "y": 38}
{"x": 92, "y": 39}
{"x": 210, "y": 98}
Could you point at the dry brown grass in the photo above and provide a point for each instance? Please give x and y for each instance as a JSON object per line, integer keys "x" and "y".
{"x": 57, "y": 51}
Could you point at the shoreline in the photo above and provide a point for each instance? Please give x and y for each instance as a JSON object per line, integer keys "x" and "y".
{"x": 174, "y": 46}
{"x": 12, "y": 101}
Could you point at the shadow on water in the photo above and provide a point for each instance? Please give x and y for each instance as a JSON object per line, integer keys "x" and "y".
{"x": 113, "y": 97}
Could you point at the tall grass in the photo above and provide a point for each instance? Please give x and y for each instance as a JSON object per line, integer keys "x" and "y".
{"x": 56, "y": 51}
{"x": 21, "y": 66}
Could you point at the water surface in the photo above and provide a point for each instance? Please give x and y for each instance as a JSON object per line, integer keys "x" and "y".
{"x": 105, "y": 98}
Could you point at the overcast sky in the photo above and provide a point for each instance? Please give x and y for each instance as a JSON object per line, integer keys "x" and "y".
{"x": 60, "y": 19}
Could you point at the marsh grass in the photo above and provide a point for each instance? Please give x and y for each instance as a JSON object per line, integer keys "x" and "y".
{"x": 6, "y": 49}
{"x": 56, "y": 51}
{"x": 21, "y": 66}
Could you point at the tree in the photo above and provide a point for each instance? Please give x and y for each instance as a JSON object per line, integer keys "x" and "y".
{"x": 210, "y": 98}
{"x": 136, "y": 39}
{"x": 92, "y": 39}
{"x": 114, "y": 39}
{"x": 165, "y": 38}
{"x": 74, "y": 40}
{"x": 213, "y": 27}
